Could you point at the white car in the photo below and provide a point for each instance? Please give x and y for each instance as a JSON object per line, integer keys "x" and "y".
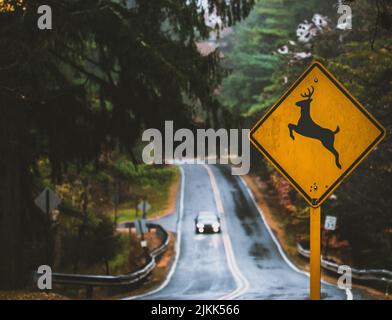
{"x": 207, "y": 222}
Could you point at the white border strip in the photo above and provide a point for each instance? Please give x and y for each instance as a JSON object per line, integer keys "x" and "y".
{"x": 177, "y": 245}
{"x": 280, "y": 249}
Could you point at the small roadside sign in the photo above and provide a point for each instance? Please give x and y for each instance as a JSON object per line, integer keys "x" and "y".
{"x": 144, "y": 206}
{"x": 330, "y": 223}
{"x": 47, "y": 201}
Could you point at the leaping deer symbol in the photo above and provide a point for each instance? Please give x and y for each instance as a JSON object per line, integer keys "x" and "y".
{"x": 308, "y": 128}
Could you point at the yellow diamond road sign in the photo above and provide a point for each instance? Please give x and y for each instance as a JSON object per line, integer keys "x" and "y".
{"x": 316, "y": 134}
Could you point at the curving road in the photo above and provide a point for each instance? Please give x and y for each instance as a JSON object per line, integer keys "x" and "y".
{"x": 243, "y": 262}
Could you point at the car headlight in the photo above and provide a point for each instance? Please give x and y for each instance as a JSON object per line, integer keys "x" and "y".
{"x": 200, "y": 225}
{"x": 216, "y": 225}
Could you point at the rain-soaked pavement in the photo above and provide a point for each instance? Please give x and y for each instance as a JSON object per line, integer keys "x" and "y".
{"x": 241, "y": 263}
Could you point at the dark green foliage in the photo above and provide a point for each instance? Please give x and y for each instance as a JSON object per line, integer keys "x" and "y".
{"x": 251, "y": 56}
{"x": 96, "y": 246}
{"x": 108, "y": 69}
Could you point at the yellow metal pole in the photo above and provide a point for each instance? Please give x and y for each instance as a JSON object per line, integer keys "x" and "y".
{"x": 315, "y": 257}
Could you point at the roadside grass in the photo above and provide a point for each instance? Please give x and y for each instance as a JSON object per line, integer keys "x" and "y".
{"x": 159, "y": 186}
{"x": 88, "y": 196}
{"x": 157, "y": 192}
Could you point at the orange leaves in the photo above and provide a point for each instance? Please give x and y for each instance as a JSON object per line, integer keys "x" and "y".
{"x": 283, "y": 189}
{"x": 9, "y": 5}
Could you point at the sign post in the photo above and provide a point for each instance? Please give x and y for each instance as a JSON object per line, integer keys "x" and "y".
{"x": 315, "y": 257}
{"x": 330, "y": 223}
{"x": 47, "y": 201}
{"x": 329, "y": 227}
{"x": 143, "y": 206}
{"x": 315, "y": 135}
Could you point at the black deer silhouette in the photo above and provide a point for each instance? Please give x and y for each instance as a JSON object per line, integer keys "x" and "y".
{"x": 308, "y": 128}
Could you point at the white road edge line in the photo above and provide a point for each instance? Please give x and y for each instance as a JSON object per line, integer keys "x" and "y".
{"x": 177, "y": 245}
{"x": 241, "y": 282}
{"x": 280, "y": 249}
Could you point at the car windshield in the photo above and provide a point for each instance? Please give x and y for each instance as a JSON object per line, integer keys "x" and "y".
{"x": 208, "y": 219}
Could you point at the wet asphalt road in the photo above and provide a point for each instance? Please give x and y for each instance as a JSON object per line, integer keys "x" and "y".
{"x": 241, "y": 263}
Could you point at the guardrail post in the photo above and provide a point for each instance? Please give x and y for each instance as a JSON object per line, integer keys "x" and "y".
{"x": 89, "y": 292}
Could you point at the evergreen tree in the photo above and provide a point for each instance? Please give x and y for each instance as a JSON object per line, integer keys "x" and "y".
{"x": 106, "y": 70}
{"x": 251, "y": 55}
{"x": 258, "y": 53}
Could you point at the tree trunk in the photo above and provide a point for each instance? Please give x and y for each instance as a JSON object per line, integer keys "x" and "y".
{"x": 107, "y": 267}
{"x": 12, "y": 193}
{"x": 82, "y": 228}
